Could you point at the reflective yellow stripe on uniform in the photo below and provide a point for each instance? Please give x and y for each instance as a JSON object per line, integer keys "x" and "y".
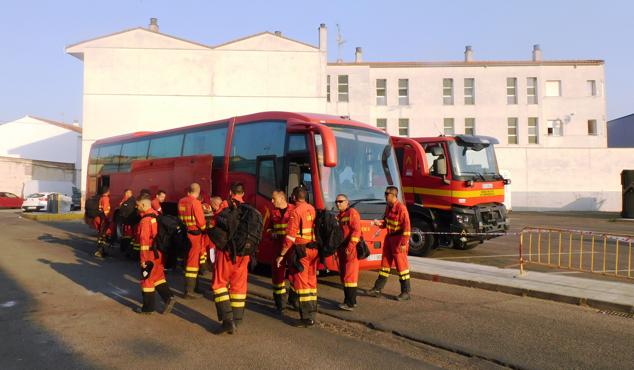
{"x": 162, "y": 281}
{"x": 350, "y": 285}
{"x": 238, "y": 304}
{"x": 221, "y": 298}
{"x": 147, "y": 290}
{"x": 238, "y": 296}
{"x": 344, "y": 219}
{"x": 145, "y": 247}
{"x": 407, "y": 233}
{"x": 308, "y": 298}
{"x": 221, "y": 290}
{"x": 355, "y": 239}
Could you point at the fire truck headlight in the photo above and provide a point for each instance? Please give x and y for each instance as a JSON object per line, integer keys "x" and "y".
{"x": 463, "y": 219}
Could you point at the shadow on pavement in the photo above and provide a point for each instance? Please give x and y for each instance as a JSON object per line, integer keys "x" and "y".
{"x": 114, "y": 277}
{"x": 26, "y": 344}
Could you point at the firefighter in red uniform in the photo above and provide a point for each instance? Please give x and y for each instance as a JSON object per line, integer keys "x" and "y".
{"x": 102, "y": 222}
{"x": 230, "y": 278}
{"x": 277, "y": 228}
{"x": 350, "y": 223}
{"x": 153, "y": 276}
{"x": 136, "y": 247}
{"x": 300, "y": 234}
{"x": 395, "y": 246}
{"x": 158, "y": 199}
{"x": 190, "y": 211}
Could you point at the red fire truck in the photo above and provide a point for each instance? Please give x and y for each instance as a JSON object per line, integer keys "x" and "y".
{"x": 452, "y": 187}
{"x": 264, "y": 151}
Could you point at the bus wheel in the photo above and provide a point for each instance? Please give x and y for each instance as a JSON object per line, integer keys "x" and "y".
{"x": 421, "y": 244}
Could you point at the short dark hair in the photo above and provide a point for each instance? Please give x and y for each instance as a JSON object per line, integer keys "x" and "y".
{"x": 391, "y": 189}
{"x": 127, "y": 190}
{"x": 342, "y": 195}
{"x": 143, "y": 195}
{"x": 160, "y": 192}
{"x": 144, "y": 192}
{"x": 300, "y": 193}
{"x": 104, "y": 190}
{"x": 237, "y": 188}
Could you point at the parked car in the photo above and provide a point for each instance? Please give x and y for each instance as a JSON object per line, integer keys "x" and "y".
{"x": 10, "y": 200}
{"x": 39, "y": 201}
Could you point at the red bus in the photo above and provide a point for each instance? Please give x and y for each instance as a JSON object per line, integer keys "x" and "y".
{"x": 264, "y": 151}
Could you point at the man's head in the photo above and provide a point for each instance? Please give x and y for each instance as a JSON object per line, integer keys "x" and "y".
{"x": 237, "y": 189}
{"x": 300, "y": 193}
{"x": 143, "y": 204}
{"x": 342, "y": 202}
{"x": 128, "y": 193}
{"x": 391, "y": 194}
{"x": 160, "y": 195}
{"x": 194, "y": 190}
{"x": 278, "y": 198}
{"x": 215, "y": 203}
{"x": 144, "y": 193}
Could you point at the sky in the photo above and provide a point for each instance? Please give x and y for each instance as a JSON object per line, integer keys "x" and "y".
{"x": 38, "y": 78}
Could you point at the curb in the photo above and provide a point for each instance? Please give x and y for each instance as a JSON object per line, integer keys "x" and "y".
{"x": 523, "y": 292}
{"x": 53, "y": 216}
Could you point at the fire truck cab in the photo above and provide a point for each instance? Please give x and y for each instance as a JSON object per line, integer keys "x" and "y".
{"x": 452, "y": 187}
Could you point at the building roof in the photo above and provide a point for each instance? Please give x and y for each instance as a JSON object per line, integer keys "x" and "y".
{"x": 479, "y": 63}
{"x": 63, "y": 125}
{"x": 620, "y": 118}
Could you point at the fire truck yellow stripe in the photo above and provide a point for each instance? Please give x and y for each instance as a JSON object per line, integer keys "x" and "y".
{"x": 454, "y": 193}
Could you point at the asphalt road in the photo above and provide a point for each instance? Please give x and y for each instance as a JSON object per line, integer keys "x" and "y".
{"x": 62, "y": 308}
{"x": 503, "y": 251}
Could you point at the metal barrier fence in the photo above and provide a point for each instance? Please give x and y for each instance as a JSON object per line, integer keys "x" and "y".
{"x": 577, "y": 250}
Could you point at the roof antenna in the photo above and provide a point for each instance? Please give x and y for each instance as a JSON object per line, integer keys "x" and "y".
{"x": 340, "y": 42}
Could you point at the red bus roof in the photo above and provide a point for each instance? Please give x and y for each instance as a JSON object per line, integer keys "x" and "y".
{"x": 261, "y": 116}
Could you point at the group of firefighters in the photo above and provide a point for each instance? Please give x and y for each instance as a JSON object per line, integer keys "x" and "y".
{"x": 291, "y": 227}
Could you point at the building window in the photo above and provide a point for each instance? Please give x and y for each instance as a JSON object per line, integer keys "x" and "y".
{"x": 447, "y": 91}
{"x": 403, "y": 91}
{"x": 553, "y": 88}
{"x": 592, "y": 87}
{"x": 592, "y": 127}
{"x": 511, "y": 90}
{"x": 469, "y": 91}
{"x": 381, "y": 91}
{"x": 469, "y": 126}
{"x": 328, "y": 88}
{"x": 531, "y": 90}
{"x": 533, "y": 130}
{"x": 555, "y": 127}
{"x": 381, "y": 123}
{"x": 448, "y": 126}
{"x": 512, "y": 130}
{"x": 342, "y": 88}
{"x": 403, "y": 126}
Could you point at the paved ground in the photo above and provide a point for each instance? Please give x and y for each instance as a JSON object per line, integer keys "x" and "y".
{"x": 62, "y": 308}
{"x": 503, "y": 251}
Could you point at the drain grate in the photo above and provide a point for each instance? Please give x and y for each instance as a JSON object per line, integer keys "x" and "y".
{"x": 618, "y": 313}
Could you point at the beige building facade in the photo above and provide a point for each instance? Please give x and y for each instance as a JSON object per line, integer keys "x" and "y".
{"x": 144, "y": 80}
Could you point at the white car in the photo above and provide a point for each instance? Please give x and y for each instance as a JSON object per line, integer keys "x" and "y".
{"x": 39, "y": 201}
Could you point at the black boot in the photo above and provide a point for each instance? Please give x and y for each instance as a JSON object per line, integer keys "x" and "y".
{"x": 223, "y": 305}
{"x": 229, "y": 326}
{"x": 379, "y": 284}
{"x": 149, "y": 302}
{"x": 293, "y": 300}
{"x": 198, "y": 287}
{"x": 280, "y": 302}
{"x": 405, "y": 289}
{"x": 238, "y": 315}
{"x": 353, "y": 296}
{"x": 167, "y": 296}
{"x": 190, "y": 284}
{"x": 347, "y": 304}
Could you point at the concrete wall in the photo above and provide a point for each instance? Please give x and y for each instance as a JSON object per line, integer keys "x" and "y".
{"x": 572, "y": 179}
{"x": 16, "y": 173}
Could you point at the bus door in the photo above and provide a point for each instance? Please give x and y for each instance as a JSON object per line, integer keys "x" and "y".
{"x": 298, "y": 172}
{"x": 102, "y": 183}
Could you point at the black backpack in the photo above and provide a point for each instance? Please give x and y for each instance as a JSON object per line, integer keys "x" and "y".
{"x": 328, "y": 234}
{"x": 127, "y": 213}
{"x": 171, "y": 238}
{"x": 239, "y": 229}
{"x": 91, "y": 207}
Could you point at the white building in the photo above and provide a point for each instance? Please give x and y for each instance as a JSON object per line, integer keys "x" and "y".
{"x": 39, "y": 150}
{"x": 144, "y": 80}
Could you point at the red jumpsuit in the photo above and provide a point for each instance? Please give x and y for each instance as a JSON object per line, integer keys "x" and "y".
{"x": 156, "y": 280}
{"x": 395, "y": 246}
{"x": 156, "y": 205}
{"x": 190, "y": 211}
{"x": 300, "y": 233}
{"x": 350, "y": 223}
{"x": 278, "y": 224}
{"x": 102, "y": 223}
{"x": 230, "y": 282}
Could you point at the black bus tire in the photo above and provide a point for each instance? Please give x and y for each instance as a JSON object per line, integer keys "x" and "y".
{"x": 421, "y": 245}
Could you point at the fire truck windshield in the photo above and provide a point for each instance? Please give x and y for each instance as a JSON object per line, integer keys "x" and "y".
{"x": 366, "y": 164}
{"x": 473, "y": 161}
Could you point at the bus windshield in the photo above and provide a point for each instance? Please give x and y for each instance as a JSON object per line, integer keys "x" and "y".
{"x": 366, "y": 164}
{"x": 475, "y": 162}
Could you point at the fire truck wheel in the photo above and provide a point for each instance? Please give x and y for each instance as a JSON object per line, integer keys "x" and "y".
{"x": 421, "y": 244}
